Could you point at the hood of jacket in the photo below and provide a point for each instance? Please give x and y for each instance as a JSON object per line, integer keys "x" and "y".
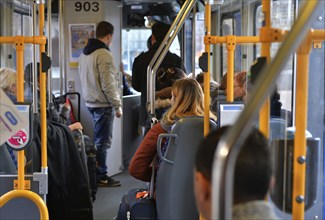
{"x": 94, "y": 44}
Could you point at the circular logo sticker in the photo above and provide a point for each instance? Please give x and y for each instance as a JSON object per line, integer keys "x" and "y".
{"x": 18, "y": 140}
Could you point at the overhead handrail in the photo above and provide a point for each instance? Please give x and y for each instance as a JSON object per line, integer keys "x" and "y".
{"x": 162, "y": 51}
{"x": 229, "y": 145}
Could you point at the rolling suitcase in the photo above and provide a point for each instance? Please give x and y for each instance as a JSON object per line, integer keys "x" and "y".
{"x": 138, "y": 204}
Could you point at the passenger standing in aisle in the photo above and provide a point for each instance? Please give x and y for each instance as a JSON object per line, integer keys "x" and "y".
{"x": 98, "y": 82}
{"x": 140, "y": 65}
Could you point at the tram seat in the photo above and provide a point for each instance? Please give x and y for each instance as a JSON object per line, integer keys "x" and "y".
{"x": 282, "y": 150}
{"x": 7, "y": 165}
{"x": 277, "y": 128}
{"x": 174, "y": 186}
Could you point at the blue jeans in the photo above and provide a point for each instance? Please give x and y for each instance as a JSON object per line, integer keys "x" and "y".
{"x": 103, "y": 119}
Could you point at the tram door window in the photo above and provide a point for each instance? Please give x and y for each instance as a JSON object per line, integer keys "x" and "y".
{"x": 231, "y": 25}
{"x": 282, "y": 17}
{"x": 23, "y": 27}
{"x": 134, "y": 42}
{"x": 199, "y": 35}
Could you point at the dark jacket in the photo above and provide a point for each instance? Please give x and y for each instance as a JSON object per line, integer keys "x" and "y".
{"x": 68, "y": 186}
{"x": 139, "y": 75}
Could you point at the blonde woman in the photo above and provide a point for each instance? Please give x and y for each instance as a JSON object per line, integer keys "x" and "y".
{"x": 187, "y": 100}
{"x": 8, "y": 79}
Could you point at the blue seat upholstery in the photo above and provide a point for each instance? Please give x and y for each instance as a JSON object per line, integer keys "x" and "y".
{"x": 7, "y": 165}
{"x": 174, "y": 186}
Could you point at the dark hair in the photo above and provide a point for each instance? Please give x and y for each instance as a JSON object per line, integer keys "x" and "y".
{"x": 253, "y": 166}
{"x": 28, "y": 72}
{"x": 103, "y": 29}
{"x": 159, "y": 31}
{"x": 149, "y": 45}
{"x": 166, "y": 77}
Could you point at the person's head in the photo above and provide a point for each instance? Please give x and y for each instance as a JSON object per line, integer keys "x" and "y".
{"x": 104, "y": 32}
{"x": 239, "y": 84}
{"x": 187, "y": 100}
{"x": 149, "y": 43}
{"x": 200, "y": 78}
{"x": 253, "y": 170}
{"x": 159, "y": 31}
{"x": 167, "y": 76}
{"x": 8, "y": 79}
{"x": 28, "y": 73}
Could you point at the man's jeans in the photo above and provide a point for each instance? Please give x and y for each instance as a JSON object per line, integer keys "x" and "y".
{"x": 103, "y": 128}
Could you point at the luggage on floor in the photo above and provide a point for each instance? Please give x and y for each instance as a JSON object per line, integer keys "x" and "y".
{"x": 92, "y": 166}
{"x": 136, "y": 204}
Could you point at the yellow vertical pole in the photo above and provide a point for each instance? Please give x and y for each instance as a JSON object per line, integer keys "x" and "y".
{"x": 265, "y": 52}
{"x": 43, "y": 91}
{"x": 207, "y": 74}
{"x": 231, "y": 45}
{"x": 299, "y": 153}
{"x": 19, "y": 42}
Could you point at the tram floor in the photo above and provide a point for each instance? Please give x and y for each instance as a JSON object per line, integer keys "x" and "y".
{"x": 108, "y": 199}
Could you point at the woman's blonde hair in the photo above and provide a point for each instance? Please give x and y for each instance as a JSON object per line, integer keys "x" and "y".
{"x": 7, "y": 78}
{"x": 188, "y": 101}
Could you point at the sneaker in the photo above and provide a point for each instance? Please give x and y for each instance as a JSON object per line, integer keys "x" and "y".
{"x": 107, "y": 181}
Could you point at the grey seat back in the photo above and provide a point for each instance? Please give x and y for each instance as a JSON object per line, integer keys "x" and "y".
{"x": 7, "y": 165}
{"x": 174, "y": 186}
{"x": 277, "y": 128}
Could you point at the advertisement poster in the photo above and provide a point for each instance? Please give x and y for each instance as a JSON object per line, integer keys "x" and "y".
{"x": 78, "y": 38}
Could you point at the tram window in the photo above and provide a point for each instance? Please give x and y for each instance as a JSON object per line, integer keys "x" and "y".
{"x": 282, "y": 17}
{"x": 134, "y": 42}
{"x": 23, "y": 26}
{"x": 231, "y": 25}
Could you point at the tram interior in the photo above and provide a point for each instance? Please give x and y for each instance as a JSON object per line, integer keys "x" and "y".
{"x": 132, "y": 19}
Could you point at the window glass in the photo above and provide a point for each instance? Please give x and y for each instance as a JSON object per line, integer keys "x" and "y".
{"x": 23, "y": 26}
{"x": 199, "y": 40}
{"x": 282, "y": 17}
{"x": 231, "y": 25}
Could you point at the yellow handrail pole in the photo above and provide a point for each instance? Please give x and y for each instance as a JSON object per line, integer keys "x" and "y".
{"x": 207, "y": 74}
{"x": 43, "y": 92}
{"x": 19, "y": 42}
{"x": 239, "y": 39}
{"x": 32, "y": 40}
{"x": 231, "y": 45}
{"x": 265, "y": 52}
{"x": 299, "y": 153}
{"x": 318, "y": 35}
{"x": 207, "y": 27}
{"x": 29, "y": 195}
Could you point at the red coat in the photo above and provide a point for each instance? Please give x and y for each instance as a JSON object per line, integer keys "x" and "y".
{"x": 140, "y": 164}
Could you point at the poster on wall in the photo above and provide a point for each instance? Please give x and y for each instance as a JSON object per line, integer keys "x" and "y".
{"x": 78, "y": 38}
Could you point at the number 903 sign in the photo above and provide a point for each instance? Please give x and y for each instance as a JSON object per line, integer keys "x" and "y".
{"x": 87, "y": 6}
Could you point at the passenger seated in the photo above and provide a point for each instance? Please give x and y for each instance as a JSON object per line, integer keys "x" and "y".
{"x": 163, "y": 95}
{"x": 252, "y": 179}
{"x": 219, "y": 92}
{"x": 8, "y": 83}
{"x": 61, "y": 116}
{"x": 187, "y": 100}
